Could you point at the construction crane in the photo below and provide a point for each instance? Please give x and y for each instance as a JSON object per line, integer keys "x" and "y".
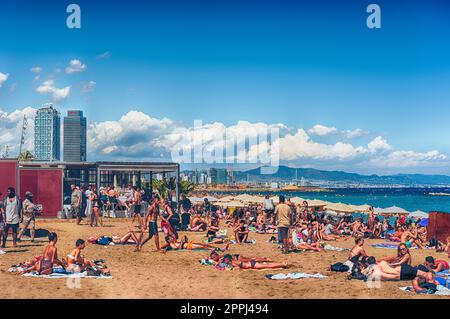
{"x": 24, "y": 129}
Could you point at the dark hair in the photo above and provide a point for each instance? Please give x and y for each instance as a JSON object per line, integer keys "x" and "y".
{"x": 430, "y": 259}
{"x": 52, "y": 236}
{"x": 79, "y": 242}
{"x": 11, "y": 189}
{"x": 371, "y": 260}
{"x": 227, "y": 256}
{"x": 282, "y": 199}
{"x": 358, "y": 240}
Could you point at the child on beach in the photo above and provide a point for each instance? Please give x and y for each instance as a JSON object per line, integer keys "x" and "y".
{"x": 76, "y": 261}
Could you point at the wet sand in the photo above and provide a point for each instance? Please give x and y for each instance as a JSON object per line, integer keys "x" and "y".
{"x": 178, "y": 274}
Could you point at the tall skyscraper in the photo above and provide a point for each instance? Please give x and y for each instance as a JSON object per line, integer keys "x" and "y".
{"x": 47, "y": 134}
{"x": 75, "y": 137}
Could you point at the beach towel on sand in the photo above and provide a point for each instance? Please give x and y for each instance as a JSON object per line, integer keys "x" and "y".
{"x": 333, "y": 248}
{"x": 294, "y": 275}
{"x": 58, "y": 272}
{"x": 441, "y": 290}
{"x": 388, "y": 246}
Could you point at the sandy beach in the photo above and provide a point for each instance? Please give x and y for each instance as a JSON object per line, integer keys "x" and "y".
{"x": 180, "y": 275}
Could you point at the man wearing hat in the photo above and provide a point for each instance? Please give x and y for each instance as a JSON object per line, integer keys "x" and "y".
{"x": 28, "y": 216}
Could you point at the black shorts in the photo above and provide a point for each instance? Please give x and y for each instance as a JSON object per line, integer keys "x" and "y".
{"x": 152, "y": 229}
{"x": 137, "y": 209}
{"x": 407, "y": 272}
{"x": 14, "y": 227}
{"x": 283, "y": 233}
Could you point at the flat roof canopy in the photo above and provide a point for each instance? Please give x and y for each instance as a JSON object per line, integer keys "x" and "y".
{"x": 155, "y": 167}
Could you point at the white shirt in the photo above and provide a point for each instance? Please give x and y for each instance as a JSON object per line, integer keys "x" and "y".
{"x": 12, "y": 211}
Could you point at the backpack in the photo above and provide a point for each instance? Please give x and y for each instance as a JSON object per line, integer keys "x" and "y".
{"x": 339, "y": 267}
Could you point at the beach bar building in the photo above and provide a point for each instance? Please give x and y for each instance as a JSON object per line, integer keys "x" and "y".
{"x": 50, "y": 181}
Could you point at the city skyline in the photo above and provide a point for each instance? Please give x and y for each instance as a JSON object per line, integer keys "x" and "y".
{"x": 344, "y": 97}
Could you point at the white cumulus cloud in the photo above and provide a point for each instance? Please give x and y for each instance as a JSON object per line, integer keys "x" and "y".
{"x": 3, "y": 78}
{"x": 322, "y": 130}
{"x": 36, "y": 69}
{"x": 57, "y": 94}
{"x": 378, "y": 144}
{"x": 76, "y": 66}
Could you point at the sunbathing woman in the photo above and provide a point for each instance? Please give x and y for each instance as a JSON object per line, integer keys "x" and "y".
{"x": 296, "y": 241}
{"x": 403, "y": 257}
{"x": 326, "y": 232}
{"x": 186, "y": 244}
{"x": 130, "y": 238}
{"x": 50, "y": 257}
{"x": 357, "y": 251}
{"x": 214, "y": 256}
{"x": 75, "y": 260}
{"x": 228, "y": 262}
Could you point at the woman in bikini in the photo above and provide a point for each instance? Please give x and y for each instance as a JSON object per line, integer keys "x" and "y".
{"x": 357, "y": 252}
{"x": 95, "y": 216}
{"x": 228, "y": 262}
{"x": 403, "y": 257}
{"x": 186, "y": 244}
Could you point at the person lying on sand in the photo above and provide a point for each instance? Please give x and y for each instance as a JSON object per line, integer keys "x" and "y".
{"x": 403, "y": 257}
{"x": 49, "y": 258}
{"x": 384, "y": 272}
{"x": 186, "y": 244}
{"x": 421, "y": 284}
{"x": 435, "y": 265}
{"x": 216, "y": 257}
{"x": 130, "y": 238}
{"x": 325, "y": 232}
{"x": 227, "y": 262}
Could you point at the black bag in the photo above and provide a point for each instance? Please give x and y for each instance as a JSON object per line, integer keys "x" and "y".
{"x": 339, "y": 267}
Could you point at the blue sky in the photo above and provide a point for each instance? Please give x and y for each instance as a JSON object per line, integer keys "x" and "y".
{"x": 297, "y": 63}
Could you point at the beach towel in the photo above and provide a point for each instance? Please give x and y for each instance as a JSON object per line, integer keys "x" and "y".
{"x": 441, "y": 290}
{"x": 253, "y": 241}
{"x": 388, "y": 246}
{"x": 333, "y": 248}
{"x": 294, "y": 275}
{"x": 2, "y": 252}
{"x": 58, "y": 272}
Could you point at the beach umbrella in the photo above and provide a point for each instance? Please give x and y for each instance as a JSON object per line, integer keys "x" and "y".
{"x": 424, "y": 222}
{"x": 361, "y": 208}
{"x": 246, "y": 198}
{"x": 275, "y": 199}
{"x": 317, "y": 203}
{"x": 339, "y": 207}
{"x": 297, "y": 200}
{"x": 234, "y": 203}
{"x": 378, "y": 210}
{"x": 394, "y": 210}
{"x": 225, "y": 199}
{"x": 418, "y": 214}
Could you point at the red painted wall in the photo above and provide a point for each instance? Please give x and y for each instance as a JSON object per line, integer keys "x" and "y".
{"x": 8, "y": 175}
{"x": 46, "y": 186}
{"x": 438, "y": 226}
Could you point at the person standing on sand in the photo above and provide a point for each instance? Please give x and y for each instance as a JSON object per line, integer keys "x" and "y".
{"x": 75, "y": 203}
{"x": 283, "y": 218}
{"x": 12, "y": 212}
{"x": 152, "y": 214}
{"x": 29, "y": 218}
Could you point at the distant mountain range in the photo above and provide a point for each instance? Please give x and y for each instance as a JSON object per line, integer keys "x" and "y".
{"x": 285, "y": 174}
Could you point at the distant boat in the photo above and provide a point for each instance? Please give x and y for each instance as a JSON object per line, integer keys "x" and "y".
{"x": 439, "y": 194}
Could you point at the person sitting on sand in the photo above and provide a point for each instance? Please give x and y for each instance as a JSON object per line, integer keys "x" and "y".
{"x": 377, "y": 228}
{"x": 435, "y": 265}
{"x": 358, "y": 228}
{"x": 403, "y": 257}
{"x": 296, "y": 242}
{"x": 227, "y": 261}
{"x": 409, "y": 236}
{"x": 213, "y": 228}
{"x": 198, "y": 224}
{"x": 357, "y": 251}
{"x": 326, "y": 231}
{"x": 241, "y": 232}
{"x": 49, "y": 258}
{"x": 186, "y": 244}
{"x": 444, "y": 247}
{"x": 75, "y": 260}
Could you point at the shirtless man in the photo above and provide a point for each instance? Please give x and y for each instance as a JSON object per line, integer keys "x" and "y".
{"x": 50, "y": 257}
{"x": 152, "y": 215}
{"x": 197, "y": 223}
{"x": 409, "y": 236}
{"x": 137, "y": 201}
{"x": 241, "y": 232}
{"x": 384, "y": 272}
{"x": 358, "y": 228}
